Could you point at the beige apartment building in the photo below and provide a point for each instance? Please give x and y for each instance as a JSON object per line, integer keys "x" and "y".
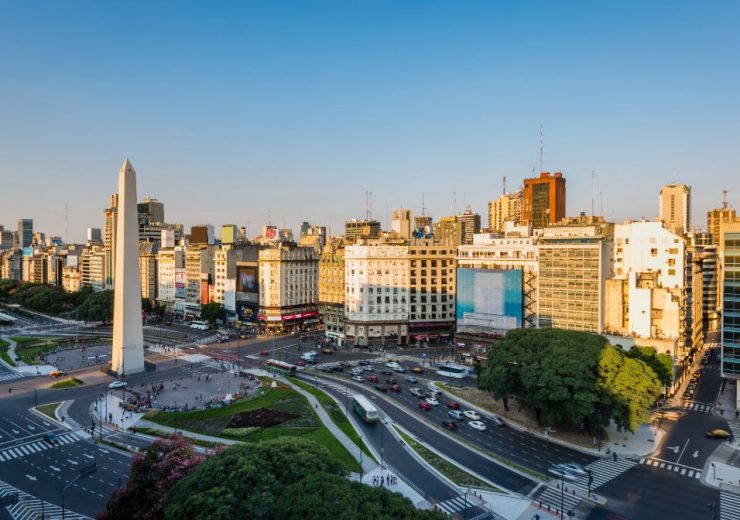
{"x": 288, "y": 287}
{"x": 198, "y": 272}
{"x": 575, "y": 260}
{"x": 331, "y": 289}
{"x": 110, "y": 221}
{"x": 377, "y": 293}
{"x": 675, "y": 207}
{"x": 508, "y": 207}
{"x": 71, "y": 279}
{"x": 449, "y": 230}
{"x": 148, "y": 270}
{"x": 432, "y": 291}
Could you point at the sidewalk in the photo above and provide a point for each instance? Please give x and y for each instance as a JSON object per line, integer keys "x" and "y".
{"x": 727, "y": 408}
{"x": 11, "y": 351}
{"x": 626, "y": 444}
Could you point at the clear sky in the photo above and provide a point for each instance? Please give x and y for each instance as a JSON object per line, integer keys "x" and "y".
{"x": 230, "y": 109}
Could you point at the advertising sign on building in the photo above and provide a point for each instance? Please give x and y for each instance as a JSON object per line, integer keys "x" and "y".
{"x": 246, "y": 311}
{"x": 180, "y": 279}
{"x": 246, "y": 279}
{"x": 489, "y": 301}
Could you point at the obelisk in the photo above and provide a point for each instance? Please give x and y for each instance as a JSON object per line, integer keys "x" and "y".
{"x": 128, "y": 333}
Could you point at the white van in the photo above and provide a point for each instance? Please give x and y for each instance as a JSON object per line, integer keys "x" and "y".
{"x": 200, "y": 325}
{"x": 309, "y": 357}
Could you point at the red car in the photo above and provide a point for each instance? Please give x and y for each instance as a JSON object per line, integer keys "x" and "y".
{"x": 453, "y": 405}
{"x": 265, "y": 353}
{"x": 450, "y": 425}
{"x": 395, "y": 388}
{"x": 300, "y": 363}
{"x": 373, "y": 379}
{"x": 425, "y": 406}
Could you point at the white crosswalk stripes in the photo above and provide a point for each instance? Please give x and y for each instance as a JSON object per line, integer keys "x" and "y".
{"x": 10, "y": 376}
{"x": 453, "y": 505}
{"x": 697, "y": 407}
{"x": 729, "y": 505}
{"x": 34, "y": 447}
{"x": 555, "y": 497}
{"x": 684, "y": 471}
{"x": 375, "y": 361}
{"x": 31, "y": 508}
{"x": 603, "y": 470}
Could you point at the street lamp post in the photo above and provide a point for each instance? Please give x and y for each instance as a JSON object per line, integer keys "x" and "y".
{"x": 85, "y": 471}
{"x": 465, "y": 499}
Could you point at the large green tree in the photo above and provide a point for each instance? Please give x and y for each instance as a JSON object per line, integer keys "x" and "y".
{"x": 211, "y": 312}
{"x": 98, "y": 307}
{"x": 284, "y": 478}
{"x": 662, "y": 364}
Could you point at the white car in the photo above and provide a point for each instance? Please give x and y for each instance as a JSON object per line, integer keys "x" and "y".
{"x": 392, "y": 365}
{"x": 117, "y": 384}
{"x": 357, "y": 378}
{"x": 432, "y": 401}
{"x": 368, "y": 368}
{"x": 470, "y": 414}
{"x": 416, "y": 392}
{"x": 477, "y": 425}
{"x": 456, "y": 414}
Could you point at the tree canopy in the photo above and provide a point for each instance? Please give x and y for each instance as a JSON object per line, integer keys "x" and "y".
{"x": 571, "y": 379}
{"x": 211, "y": 312}
{"x": 284, "y": 478}
{"x": 98, "y": 306}
{"x": 662, "y": 364}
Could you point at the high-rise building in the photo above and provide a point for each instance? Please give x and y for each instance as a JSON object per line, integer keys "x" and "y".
{"x": 25, "y": 232}
{"x": 229, "y": 234}
{"x": 449, "y": 231}
{"x": 150, "y": 211}
{"x": 432, "y": 295}
{"x": 148, "y": 269}
{"x": 575, "y": 261}
{"x": 313, "y": 236}
{"x": 331, "y": 289}
{"x": 716, "y": 218}
{"x": 202, "y": 234}
{"x": 354, "y": 229}
{"x": 170, "y": 262}
{"x": 402, "y": 222}
{"x": 6, "y": 239}
{"x": 288, "y": 287}
{"x": 470, "y": 225}
{"x": 423, "y": 223}
{"x": 376, "y": 294}
{"x": 507, "y": 207}
{"x": 544, "y": 199}
{"x": 94, "y": 236}
{"x": 730, "y": 327}
{"x": 675, "y": 207}
{"x": 110, "y": 220}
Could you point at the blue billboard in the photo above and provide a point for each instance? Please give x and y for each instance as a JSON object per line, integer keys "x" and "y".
{"x": 489, "y": 301}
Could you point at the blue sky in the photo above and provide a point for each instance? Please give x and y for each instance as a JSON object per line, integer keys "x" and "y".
{"x": 230, "y": 109}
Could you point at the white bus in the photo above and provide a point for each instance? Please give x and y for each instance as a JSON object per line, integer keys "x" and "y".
{"x": 452, "y": 370}
{"x": 200, "y": 325}
{"x": 364, "y": 408}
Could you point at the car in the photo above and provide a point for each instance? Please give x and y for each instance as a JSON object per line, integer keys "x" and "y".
{"x": 450, "y": 425}
{"x": 117, "y": 384}
{"x": 391, "y": 380}
{"x": 57, "y": 373}
{"x": 456, "y": 414}
{"x": 432, "y": 401}
{"x": 392, "y": 364}
{"x": 368, "y": 368}
{"x": 364, "y": 362}
{"x": 387, "y": 372}
{"x": 357, "y": 378}
{"x": 477, "y": 425}
{"x": 561, "y": 471}
{"x": 265, "y": 353}
{"x": 718, "y": 433}
{"x": 51, "y": 439}
{"x": 373, "y": 379}
{"x": 327, "y": 350}
{"x": 395, "y": 388}
{"x": 575, "y": 469}
{"x": 400, "y": 370}
{"x": 416, "y": 392}
{"x": 472, "y": 415}
{"x": 327, "y": 369}
{"x": 381, "y": 388}
{"x": 411, "y": 379}
{"x": 425, "y": 406}
{"x": 496, "y": 420}
{"x": 300, "y": 363}
{"x": 417, "y": 370}
{"x": 356, "y": 371}
{"x": 453, "y": 405}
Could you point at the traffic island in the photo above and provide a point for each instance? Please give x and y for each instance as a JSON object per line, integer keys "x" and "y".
{"x": 49, "y": 409}
{"x": 72, "y": 382}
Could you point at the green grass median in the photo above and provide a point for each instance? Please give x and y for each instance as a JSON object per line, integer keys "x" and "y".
{"x": 4, "y": 345}
{"x": 49, "y": 409}
{"x": 68, "y": 383}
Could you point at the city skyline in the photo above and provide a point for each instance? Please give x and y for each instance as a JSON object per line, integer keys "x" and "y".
{"x": 231, "y": 114}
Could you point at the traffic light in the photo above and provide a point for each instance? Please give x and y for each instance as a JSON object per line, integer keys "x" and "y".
{"x": 614, "y": 456}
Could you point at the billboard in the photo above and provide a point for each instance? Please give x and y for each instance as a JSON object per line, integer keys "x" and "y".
{"x": 246, "y": 279}
{"x": 489, "y": 301}
{"x": 180, "y": 280}
{"x": 246, "y": 311}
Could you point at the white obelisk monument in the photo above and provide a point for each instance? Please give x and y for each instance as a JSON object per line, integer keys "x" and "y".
{"x": 128, "y": 332}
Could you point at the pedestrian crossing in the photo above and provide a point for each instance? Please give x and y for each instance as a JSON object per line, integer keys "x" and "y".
{"x": 29, "y": 507}
{"x": 556, "y": 498}
{"x": 455, "y": 504}
{"x": 729, "y": 505}
{"x": 30, "y": 448}
{"x": 10, "y": 375}
{"x": 697, "y": 407}
{"x": 735, "y": 429}
{"x": 684, "y": 471}
{"x": 374, "y": 361}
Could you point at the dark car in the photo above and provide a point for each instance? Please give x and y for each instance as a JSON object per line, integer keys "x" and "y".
{"x": 265, "y": 353}
{"x": 387, "y": 372}
{"x": 51, "y": 439}
{"x": 453, "y": 405}
{"x": 395, "y": 387}
{"x": 381, "y": 388}
{"x": 450, "y": 425}
{"x": 391, "y": 380}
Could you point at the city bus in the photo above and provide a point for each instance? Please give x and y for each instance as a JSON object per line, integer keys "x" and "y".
{"x": 281, "y": 367}
{"x": 200, "y": 325}
{"x": 452, "y": 370}
{"x": 365, "y": 409}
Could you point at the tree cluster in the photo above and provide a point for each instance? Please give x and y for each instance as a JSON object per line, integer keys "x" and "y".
{"x": 570, "y": 379}
{"x": 97, "y": 307}
{"x": 212, "y": 312}
{"x": 285, "y": 478}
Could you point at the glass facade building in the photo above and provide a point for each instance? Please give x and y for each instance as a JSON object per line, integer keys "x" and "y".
{"x": 731, "y": 301}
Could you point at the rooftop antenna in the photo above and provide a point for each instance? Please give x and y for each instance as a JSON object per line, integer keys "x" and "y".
{"x": 542, "y": 144}
{"x": 504, "y": 193}
{"x": 423, "y": 207}
{"x": 674, "y": 176}
{"x": 724, "y": 199}
{"x": 269, "y": 217}
{"x": 370, "y": 205}
{"x": 601, "y": 196}
{"x": 454, "y": 203}
{"x": 66, "y": 220}
{"x": 593, "y": 190}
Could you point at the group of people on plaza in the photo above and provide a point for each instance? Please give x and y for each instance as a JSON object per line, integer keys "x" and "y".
{"x": 391, "y": 480}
